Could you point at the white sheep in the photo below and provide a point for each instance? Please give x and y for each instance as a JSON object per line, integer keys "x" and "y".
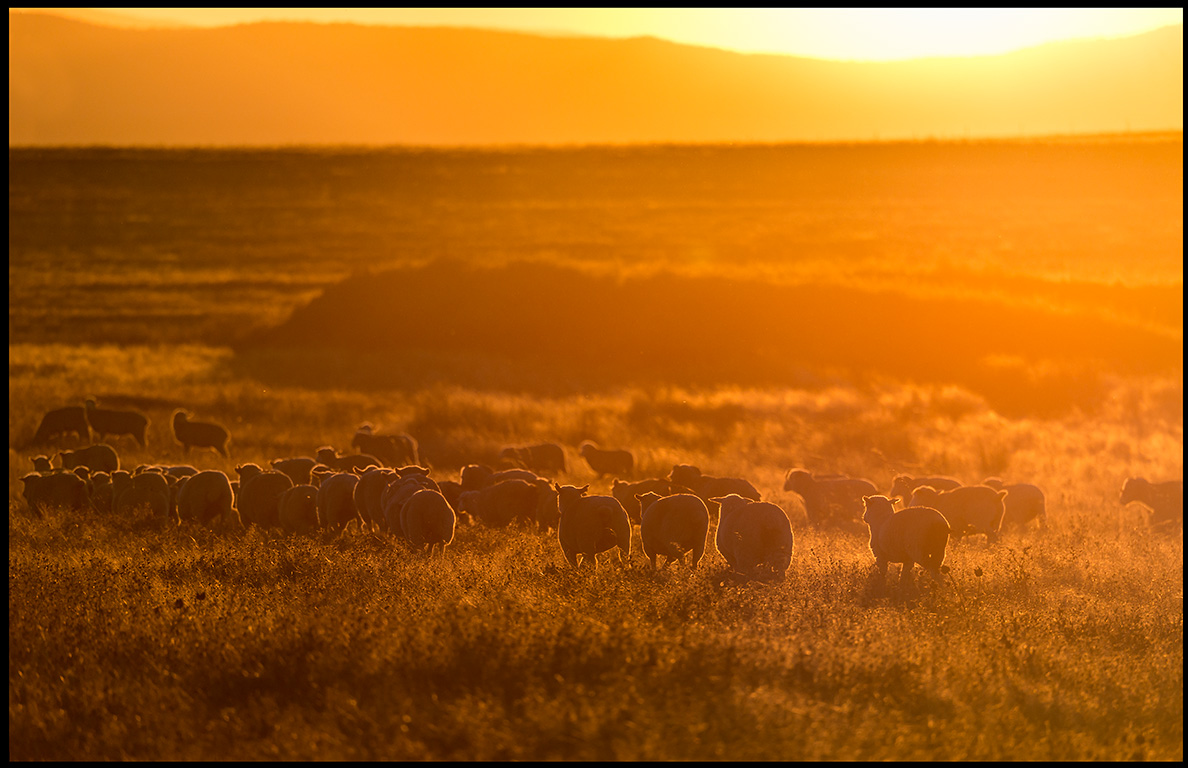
{"x": 831, "y": 499}
{"x": 902, "y": 486}
{"x": 541, "y": 458}
{"x": 201, "y": 434}
{"x": 1024, "y": 502}
{"x": 297, "y": 468}
{"x": 57, "y": 490}
{"x": 970, "y": 509}
{"x": 62, "y": 421}
{"x": 207, "y": 498}
{"x": 297, "y": 509}
{"x": 619, "y": 463}
{"x": 672, "y": 526}
{"x": 754, "y": 537}
{"x": 1166, "y": 499}
{"x": 589, "y": 525}
{"x": 628, "y": 494}
{"x": 97, "y": 458}
{"x": 107, "y": 421}
{"x": 909, "y": 536}
{"x": 259, "y": 497}
{"x": 396, "y": 449}
{"x": 428, "y": 520}
{"x": 336, "y": 501}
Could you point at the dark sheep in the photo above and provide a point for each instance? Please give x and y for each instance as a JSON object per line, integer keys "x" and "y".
{"x": 107, "y": 421}
{"x": 62, "y": 421}
{"x": 202, "y": 434}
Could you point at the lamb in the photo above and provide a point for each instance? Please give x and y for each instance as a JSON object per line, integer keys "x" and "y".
{"x": 259, "y": 497}
{"x": 672, "y": 526}
{"x": 428, "y": 520}
{"x": 902, "y": 486}
{"x": 336, "y": 501}
{"x": 297, "y": 468}
{"x": 1024, "y": 502}
{"x": 497, "y": 505}
{"x": 1166, "y": 500}
{"x": 754, "y": 537}
{"x": 106, "y": 422}
{"x": 541, "y": 458}
{"x": 590, "y": 525}
{"x": 58, "y": 490}
{"x": 62, "y": 421}
{"x": 619, "y": 463}
{"x": 628, "y": 494}
{"x": 202, "y": 434}
{"x": 834, "y": 499}
{"x": 97, "y": 458}
{"x": 397, "y": 450}
{"x": 297, "y": 509}
{"x": 346, "y": 462}
{"x": 149, "y": 490}
{"x": 970, "y": 509}
{"x": 912, "y": 535}
{"x": 207, "y": 498}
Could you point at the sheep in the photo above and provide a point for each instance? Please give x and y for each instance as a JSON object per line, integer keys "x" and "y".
{"x": 707, "y": 487}
{"x": 207, "y": 498}
{"x": 106, "y": 422}
{"x": 911, "y": 535}
{"x": 902, "y": 486}
{"x": 97, "y": 458}
{"x": 1024, "y": 502}
{"x": 1166, "y": 500}
{"x": 607, "y": 462}
{"x": 61, "y": 421}
{"x": 497, "y": 505}
{"x": 672, "y": 526}
{"x": 590, "y": 524}
{"x": 754, "y": 537}
{"x": 628, "y": 494}
{"x": 101, "y": 492}
{"x": 541, "y": 458}
{"x": 336, "y": 501}
{"x": 42, "y": 464}
{"x": 477, "y": 476}
{"x": 451, "y": 489}
{"x": 297, "y": 509}
{"x": 345, "y": 462}
{"x": 58, "y": 490}
{"x": 395, "y": 494}
{"x": 367, "y": 494}
{"x": 834, "y": 499}
{"x": 397, "y": 450}
{"x": 970, "y": 509}
{"x": 297, "y": 468}
{"x": 148, "y": 489}
{"x": 259, "y": 497}
{"x": 202, "y": 434}
{"x": 428, "y": 520}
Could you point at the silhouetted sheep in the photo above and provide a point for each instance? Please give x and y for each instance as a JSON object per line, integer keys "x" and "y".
{"x": 590, "y": 525}
{"x": 259, "y": 497}
{"x": 499, "y": 504}
{"x": 477, "y": 476}
{"x": 628, "y": 493}
{"x": 64, "y": 490}
{"x": 368, "y": 491}
{"x": 830, "y": 500}
{"x": 754, "y": 537}
{"x": 398, "y": 491}
{"x": 1024, "y": 502}
{"x": 396, "y": 449}
{"x": 542, "y": 458}
{"x": 297, "y": 468}
{"x": 619, "y": 463}
{"x": 42, "y": 464}
{"x": 201, "y": 434}
{"x": 708, "y": 487}
{"x": 672, "y": 526}
{"x": 61, "y": 421}
{"x": 149, "y": 490}
{"x": 297, "y": 509}
{"x": 336, "y": 501}
{"x": 912, "y": 535}
{"x": 207, "y": 498}
{"x": 428, "y": 520}
{"x": 106, "y": 421}
{"x": 969, "y": 509}
{"x": 97, "y": 458}
{"x": 345, "y": 462}
{"x": 902, "y": 486}
{"x": 1166, "y": 500}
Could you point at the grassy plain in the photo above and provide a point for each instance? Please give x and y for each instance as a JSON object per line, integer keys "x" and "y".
{"x": 129, "y": 641}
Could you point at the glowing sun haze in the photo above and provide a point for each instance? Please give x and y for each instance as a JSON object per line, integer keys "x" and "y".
{"x": 835, "y": 33}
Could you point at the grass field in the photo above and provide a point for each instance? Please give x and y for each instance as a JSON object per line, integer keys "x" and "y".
{"x": 129, "y": 639}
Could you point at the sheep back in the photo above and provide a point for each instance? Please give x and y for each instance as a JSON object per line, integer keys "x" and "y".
{"x": 754, "y": 537}
{"x": 207, "y": 497}
{"x": 297, "y": 468}
{"x": 259, "y": 498}
{"x": 297, "y": 509}
{"x": 336, "y": 501}
{"x": 62, "y": 421}
{"x": 912, "y": 535}
{"x": 673, "y": 525}
{"x": 970, "y": 509}
{"x": 97, "y": 458}
{"x": 428, "y": 520}
{"x": 540, "y": 458}
{"x": 108, "y": 421}
{"x": 64, "y": 490}
{"x": 589, "y": 525}
{"x": 607, "y": 462}
{"x": 1166, "y": 499}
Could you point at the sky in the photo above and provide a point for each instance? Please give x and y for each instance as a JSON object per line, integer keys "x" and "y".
{"x": 841, "y": 34}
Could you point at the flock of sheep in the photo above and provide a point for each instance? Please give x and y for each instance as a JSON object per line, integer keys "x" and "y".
{"x": 384, "y": 488}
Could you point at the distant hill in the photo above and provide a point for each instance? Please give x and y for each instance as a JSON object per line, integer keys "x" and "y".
{"x": 71, "y": 82}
